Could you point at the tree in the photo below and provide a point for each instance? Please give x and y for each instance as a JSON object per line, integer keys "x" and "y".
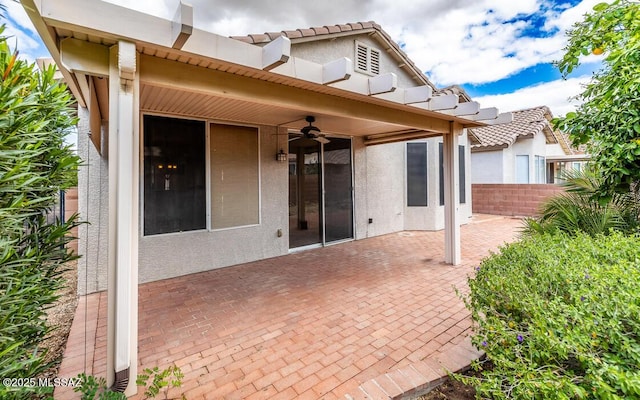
{"x": 35, "y": 164}
{"x": 608, "y": 120}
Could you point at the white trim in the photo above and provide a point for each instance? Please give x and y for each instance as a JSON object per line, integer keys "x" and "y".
{"x": 451, "y": 194}
{"x": 305, "y": 247}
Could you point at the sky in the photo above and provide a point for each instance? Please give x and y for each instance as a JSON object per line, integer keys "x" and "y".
{"x": 499, "y": 51}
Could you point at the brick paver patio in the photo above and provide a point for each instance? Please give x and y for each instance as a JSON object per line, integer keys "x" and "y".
{"x": 363, "y": 319}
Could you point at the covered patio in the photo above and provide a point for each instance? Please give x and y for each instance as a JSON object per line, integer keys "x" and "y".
{"x": 377, "y": 317}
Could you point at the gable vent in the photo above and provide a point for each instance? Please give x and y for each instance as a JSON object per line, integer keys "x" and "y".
{"x": 367, "y": 59}
{"x": 374, "y": 61}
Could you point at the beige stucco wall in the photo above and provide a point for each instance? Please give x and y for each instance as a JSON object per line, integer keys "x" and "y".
{"x": 93, "y": 208}
{"x": 328, "y": 50}
{"x": 162, "y": 256}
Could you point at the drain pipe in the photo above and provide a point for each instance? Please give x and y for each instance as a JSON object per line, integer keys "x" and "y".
{"x": 121, "y": 381}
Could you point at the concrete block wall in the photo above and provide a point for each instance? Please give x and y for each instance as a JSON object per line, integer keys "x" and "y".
{"x": 511, "y": 199}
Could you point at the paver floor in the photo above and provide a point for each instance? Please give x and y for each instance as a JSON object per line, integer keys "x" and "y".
{"x": 311, "y": 325}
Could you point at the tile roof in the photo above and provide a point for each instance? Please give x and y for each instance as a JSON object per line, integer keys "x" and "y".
{"x": 526, "y": 123}
{"x": 317, "y": 31}
{"x": 324, "y": 32}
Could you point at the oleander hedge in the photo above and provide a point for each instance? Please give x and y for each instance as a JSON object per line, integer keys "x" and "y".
{"x": 35, "y": 164}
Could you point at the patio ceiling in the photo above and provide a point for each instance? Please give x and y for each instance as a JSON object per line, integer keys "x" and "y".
{"x": 199, "y": 105}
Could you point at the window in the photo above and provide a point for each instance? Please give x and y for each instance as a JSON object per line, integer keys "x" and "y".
{"x": 367, "y": 59}
{"x": 174, "y": 175}
{"x": 461, "y": 174}
{"x": 235, "y": 199}
{"x": 540, "y": 169}
{"x": 416, "y": 174}
{"x": 522, "y": 169}
{"x": 577, "y": 166}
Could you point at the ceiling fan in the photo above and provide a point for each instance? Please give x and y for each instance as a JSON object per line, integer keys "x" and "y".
{"x": 312, "y": 132}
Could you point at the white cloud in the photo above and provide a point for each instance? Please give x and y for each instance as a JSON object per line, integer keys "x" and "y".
{"x": 557, "y": 95}
{"x": 455, "y": 41}
{"x": 21, "y": 33}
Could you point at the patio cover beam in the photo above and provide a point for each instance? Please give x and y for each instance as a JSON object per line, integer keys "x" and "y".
{"x": 180, "y": 76}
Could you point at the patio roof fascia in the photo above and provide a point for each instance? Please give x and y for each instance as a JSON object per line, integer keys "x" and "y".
{"x": 92, "y": 17}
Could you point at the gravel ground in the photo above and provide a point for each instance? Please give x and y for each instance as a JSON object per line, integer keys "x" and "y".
{"x": 60, "y": 317}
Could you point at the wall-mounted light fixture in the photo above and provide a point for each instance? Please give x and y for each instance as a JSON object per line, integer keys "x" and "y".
{"x": 281, "y": 156}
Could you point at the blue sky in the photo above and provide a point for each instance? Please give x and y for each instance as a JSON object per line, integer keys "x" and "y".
{"x": 499, "y": 51}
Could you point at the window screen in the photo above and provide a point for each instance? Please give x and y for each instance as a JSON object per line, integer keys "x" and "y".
{"x": 416, "y": 174}
{"x": 235, "y": 199}
{"x": 174, "y": 175}
{"x": 461, "y": 174}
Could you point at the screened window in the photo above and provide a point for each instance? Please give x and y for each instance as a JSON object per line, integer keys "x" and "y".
{"x": 540, "y": 170}
{"x": 461, "y": 174}
{"x": 416, "y": 174}
{"x": 235, "y": 199}
{"x": 174, "y": 175}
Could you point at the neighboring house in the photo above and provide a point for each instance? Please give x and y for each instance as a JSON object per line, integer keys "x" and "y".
{"x": 199, "y": 153}
{"x": 527, "y": 150}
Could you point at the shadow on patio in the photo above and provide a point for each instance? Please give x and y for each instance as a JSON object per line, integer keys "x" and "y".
{"x": 376, "y": 315}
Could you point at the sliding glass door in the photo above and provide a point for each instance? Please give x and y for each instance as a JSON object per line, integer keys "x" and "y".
{"x": 338, "y": 196}
{"x": 305, "y": 217}
{"x": 318, "y": 216}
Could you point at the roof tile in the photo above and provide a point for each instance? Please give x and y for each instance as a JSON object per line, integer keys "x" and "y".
{"x": 260, "y": 38}
{"x": 345, "y": 28}
{"x": 321, "y": 30}
{"x": 526, "y": 123}
{"x": 333, "y": 28}
{"x": 307, "y": 32}
{"x": 292, "y": 34}
{"x": 274, "y": 35}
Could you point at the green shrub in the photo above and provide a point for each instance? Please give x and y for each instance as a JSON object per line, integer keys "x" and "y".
{"x": 559, "y": 318}
{"x": 153, "y": 380}
{"x": 35, "y": 165}
{"x": 582, "y": 208}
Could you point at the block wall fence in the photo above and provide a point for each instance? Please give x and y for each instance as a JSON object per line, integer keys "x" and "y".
{"x": 511, "y": 199}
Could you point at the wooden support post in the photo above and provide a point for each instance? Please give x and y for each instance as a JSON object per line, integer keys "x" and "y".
{"x": 124, "y": 150}
{"x": 451, "y": 194}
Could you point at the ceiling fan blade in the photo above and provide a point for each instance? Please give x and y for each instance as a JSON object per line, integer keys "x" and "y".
{"x": 322, "y": 139}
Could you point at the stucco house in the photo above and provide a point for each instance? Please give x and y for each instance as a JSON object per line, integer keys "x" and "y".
{"x": 526, "y": 150}
{"x": 204, "y": 151}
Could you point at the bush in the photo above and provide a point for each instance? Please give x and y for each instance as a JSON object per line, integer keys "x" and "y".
{"x": 582, "y": 208}
{"x": 35, "y": 165}
{"x": 559, "y": 318}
